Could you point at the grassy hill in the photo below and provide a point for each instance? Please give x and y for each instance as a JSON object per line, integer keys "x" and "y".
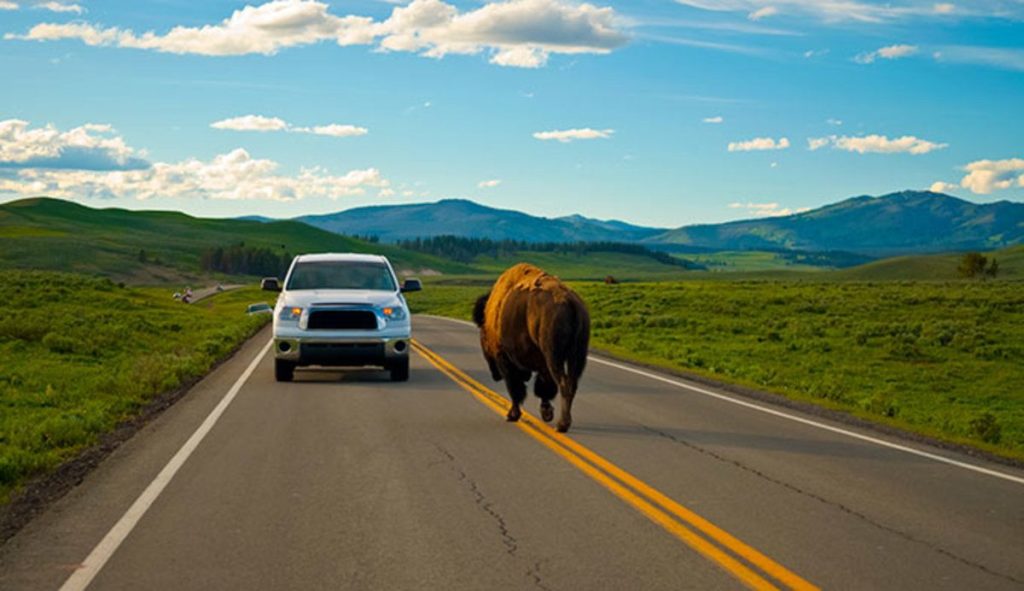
{"x": 940, "y": 267}
{"x": 51, "y": 234}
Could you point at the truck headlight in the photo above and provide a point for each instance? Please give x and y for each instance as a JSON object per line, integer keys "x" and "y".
{"x": 394, "y": 313}
{"x": 290, "y": 313}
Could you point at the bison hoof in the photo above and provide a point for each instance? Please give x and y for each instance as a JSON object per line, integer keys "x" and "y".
{"x": 563, "y": 426}
{"x": 513, "y": 415}
{"x": 547, "y": 412}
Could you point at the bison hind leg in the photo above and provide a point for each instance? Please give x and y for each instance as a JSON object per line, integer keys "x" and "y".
{"x": 516, "y": 383}
{"x": 546, "y": 389}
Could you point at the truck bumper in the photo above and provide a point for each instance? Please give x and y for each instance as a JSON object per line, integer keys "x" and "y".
{"x": 341, "y": 352}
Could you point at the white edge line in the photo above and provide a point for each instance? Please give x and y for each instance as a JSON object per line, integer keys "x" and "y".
{"x": 785, "y": 415}
{"x": 99, "y": 556}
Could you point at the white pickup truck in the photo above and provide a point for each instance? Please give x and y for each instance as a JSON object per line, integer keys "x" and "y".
{"x": 341, "y": 310}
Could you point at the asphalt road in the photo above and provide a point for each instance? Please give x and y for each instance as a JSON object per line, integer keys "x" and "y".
{"x": 343, "y": 480}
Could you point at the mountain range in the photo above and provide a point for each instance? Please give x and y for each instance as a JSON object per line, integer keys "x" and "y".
{"x": 898, "y": 223}
{"x": 460, "y": 217}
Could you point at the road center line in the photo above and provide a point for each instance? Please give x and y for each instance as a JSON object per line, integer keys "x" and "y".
{"x": 788, "y": 416}
{"x": 99, "y": 556}
{"x": 651, "y": 503}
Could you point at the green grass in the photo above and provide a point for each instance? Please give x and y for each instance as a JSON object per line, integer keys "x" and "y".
{"x": 942, "y": 359}
{"x": 746, "y": 260}
{"x": 78, "y": 355}
{"x": 51, "y": 234}
{"x": 940, "y": 267}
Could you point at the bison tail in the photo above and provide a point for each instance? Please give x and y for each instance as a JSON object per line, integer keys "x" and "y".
{"x": 479, "y": 309}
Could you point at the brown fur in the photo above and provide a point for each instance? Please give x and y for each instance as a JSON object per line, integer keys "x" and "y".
{"x": 530, "y": 323}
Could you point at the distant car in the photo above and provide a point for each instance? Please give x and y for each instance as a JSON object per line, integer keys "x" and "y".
{"x": 260, "y": 308}
{"x": 341, "y": 310}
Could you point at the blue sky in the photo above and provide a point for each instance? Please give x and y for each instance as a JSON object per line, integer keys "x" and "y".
{"x": 657, "y": 112}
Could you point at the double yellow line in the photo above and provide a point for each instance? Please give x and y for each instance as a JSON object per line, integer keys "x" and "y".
{"x": 753, "y": 568}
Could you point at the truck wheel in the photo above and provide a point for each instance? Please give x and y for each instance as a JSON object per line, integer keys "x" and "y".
{"x": 284, "y": 371}
{"x": 400, "y": 370}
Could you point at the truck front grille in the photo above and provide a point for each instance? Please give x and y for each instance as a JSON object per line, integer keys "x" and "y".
{"x": 343, "y": 320}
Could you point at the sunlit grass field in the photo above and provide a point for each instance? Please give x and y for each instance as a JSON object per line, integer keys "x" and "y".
{"x": 78, "y": 355}
{"x": 942, "y": 359}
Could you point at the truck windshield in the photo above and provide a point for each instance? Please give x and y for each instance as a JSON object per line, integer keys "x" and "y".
{"x": 341, "y": 275}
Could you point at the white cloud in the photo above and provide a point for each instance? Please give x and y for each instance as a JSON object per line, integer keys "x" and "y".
{"x": 816, "y": 143}
{"x": 234, "y": 175}
{"x": 891, "y": 52}
{"x": 986, "y": 176}
{"x": 812, "y": 53}
{"x": 251, "y": 123}
{"x": 864, "y": 11}
{"x": 90, "y": 146}
{"x": 261, "y": 123}
{"x": 91, "y": 161}
{"x": 518, "y": 33}
{"x": 766, "y": 209}
{"x": 61, "y": 7}
{"x": 764, "y": 11}
{"x": 834, "y": 122}
{"x": 715, "y": 119}
{"x": 878, "y": 144}
{"x": 7, "y": 5}
{"x": 489, "y": 184}
{"x": 757, "y": 144}
{"x": 941, "y": 187}
{"x": 567, "y": 135}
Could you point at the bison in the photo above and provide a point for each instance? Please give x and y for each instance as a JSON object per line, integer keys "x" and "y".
{"x": 530, "y": 322}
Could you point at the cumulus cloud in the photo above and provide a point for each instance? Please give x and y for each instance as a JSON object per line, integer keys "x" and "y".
{"x": 941, "y": 187}
{"x": 91, "y": 161}
{"x": 263, "y": 124}
{"x": 878, "y": 144}
{"x": 944, "y": 8}
{"x": 516, "y": 33}
{"x": 766, "y": 209}
{"x": 758, "y": 144}
{"x": 234, "y": 175}
{"x": 891, "y": 52}
{"x": 7, "y": 5}
{"x": 91, "y": 147}
{"x": 985, "y": 176}
{"x": 715, "y": 119}
{"x": 489, "y": 184}
{"x": 567, "y": 135}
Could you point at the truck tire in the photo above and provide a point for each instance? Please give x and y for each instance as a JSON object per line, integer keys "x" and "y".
{"x": 284, "y": 371}
{"x": 400, "y": 370}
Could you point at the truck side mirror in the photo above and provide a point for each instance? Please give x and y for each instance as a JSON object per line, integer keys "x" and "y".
{"x": 411, "y": 285}
{"x": 270, "y": 284}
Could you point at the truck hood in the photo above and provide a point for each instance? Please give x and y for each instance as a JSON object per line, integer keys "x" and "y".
{"x": 310, "y": 297}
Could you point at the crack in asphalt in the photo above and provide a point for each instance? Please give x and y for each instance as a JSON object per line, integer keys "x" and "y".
{"x": 906, "y": 536}
{"x": 507, "y": 539}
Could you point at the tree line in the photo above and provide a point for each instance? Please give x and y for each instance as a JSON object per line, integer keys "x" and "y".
{"x": 464, "y": 249}
{"x": 240, "y": 259}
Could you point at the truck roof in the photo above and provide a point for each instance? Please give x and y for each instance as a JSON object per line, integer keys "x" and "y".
{"x": 342, "y": 256}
